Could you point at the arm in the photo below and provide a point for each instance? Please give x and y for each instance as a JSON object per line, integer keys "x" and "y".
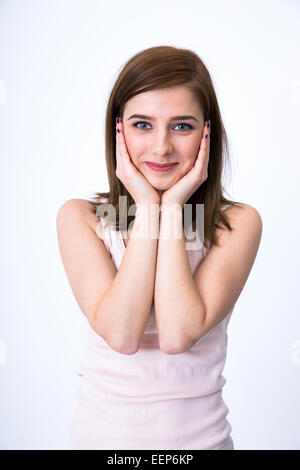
{"x": 178, "y": 307}
{"x": 124, "y": 309}
{"x": 187, "y": 306}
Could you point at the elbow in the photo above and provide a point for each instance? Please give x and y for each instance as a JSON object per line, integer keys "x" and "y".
{"x": 128, "y": 351}
{"x": 118, "y": 346}
{"x": 178, "y": 345}
{"x": 171, "y": 350}
{"x": 129, "y": 348}
{"x": 173, "y": 347}
{"x": 121, "y": 345}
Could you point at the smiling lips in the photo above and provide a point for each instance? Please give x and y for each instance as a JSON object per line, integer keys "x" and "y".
{"x": 163, "y": 167}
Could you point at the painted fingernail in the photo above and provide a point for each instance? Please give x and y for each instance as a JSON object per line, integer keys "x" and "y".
{"x": 118, "y": 130}
{"x": 206, "y": 136}
{"x": 117, "y": 122}
{"x": 208, "y": 124}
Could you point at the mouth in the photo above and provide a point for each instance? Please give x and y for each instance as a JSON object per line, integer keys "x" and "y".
{"x": 161, "y": 167}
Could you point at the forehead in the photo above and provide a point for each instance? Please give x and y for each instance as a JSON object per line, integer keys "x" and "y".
{"x": 165, "y": 101}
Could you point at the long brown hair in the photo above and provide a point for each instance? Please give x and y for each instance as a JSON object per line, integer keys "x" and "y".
{"x": 161, "y": 67}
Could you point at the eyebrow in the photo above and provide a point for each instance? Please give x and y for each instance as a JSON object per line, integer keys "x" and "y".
{"x": 174, "y": 118}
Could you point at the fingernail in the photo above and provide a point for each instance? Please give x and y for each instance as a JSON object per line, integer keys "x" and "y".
{"x": 206, "y": 136}
{"x": 208, "y": 124}
{"x": 117, "y": 119}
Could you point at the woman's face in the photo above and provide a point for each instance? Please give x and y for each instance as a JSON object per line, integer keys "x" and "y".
{"x": 160, "y": 138}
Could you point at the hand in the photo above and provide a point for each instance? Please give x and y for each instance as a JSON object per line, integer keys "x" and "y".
{"x": 135, "y": 183}
{"x": 181, "y": 191}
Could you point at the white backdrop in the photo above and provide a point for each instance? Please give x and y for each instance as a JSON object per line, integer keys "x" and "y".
{"x": 58, "y": 62}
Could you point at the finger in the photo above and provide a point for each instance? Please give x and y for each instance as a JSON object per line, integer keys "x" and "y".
{"x": 121, "y": 141}
{"x": 123, "y": 155}
{"x": 207, "y": 144}
{"x": 206, "y": 147}
{"x": 205, "y": 141}
{"x": 119, "y": 158}
{"x": 117, "y": 146}
{"x": 202, "y": 153}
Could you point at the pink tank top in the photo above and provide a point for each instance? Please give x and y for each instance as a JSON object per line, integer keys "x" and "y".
{"x": 151, "y": 400}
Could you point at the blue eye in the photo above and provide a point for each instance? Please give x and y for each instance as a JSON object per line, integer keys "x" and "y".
{"x": 184, "y": 124}
{"x": 179, "y": 124}
{"x": 140, "y": 122}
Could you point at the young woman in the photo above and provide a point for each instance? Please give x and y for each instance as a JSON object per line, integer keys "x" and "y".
{"x": 157, "y": 308}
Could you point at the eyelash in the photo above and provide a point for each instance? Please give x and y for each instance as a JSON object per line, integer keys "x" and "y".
{"x": 178, "y": 124}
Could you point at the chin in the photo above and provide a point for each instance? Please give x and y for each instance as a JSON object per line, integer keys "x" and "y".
{"x": 159, "y": 185}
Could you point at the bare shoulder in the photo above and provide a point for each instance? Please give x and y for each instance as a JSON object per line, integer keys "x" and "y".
{"x": 87, "y": 263}
{"x": 84, "y": 209}
{"x": 243, "y": 218}
{"x": 243, "y": 212}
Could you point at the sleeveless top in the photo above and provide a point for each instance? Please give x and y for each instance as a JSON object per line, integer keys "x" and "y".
{"x": 151, "y": 400}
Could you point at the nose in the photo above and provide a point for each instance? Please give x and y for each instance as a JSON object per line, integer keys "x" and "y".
{"x": 161, "y": 144}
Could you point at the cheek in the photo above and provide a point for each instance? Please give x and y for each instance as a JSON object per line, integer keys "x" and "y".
{"x": 129, "y": 141}
{"x": 189, "y": 163}
{"x": 190, "y": 152}
{"x": 134, "y": 146}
